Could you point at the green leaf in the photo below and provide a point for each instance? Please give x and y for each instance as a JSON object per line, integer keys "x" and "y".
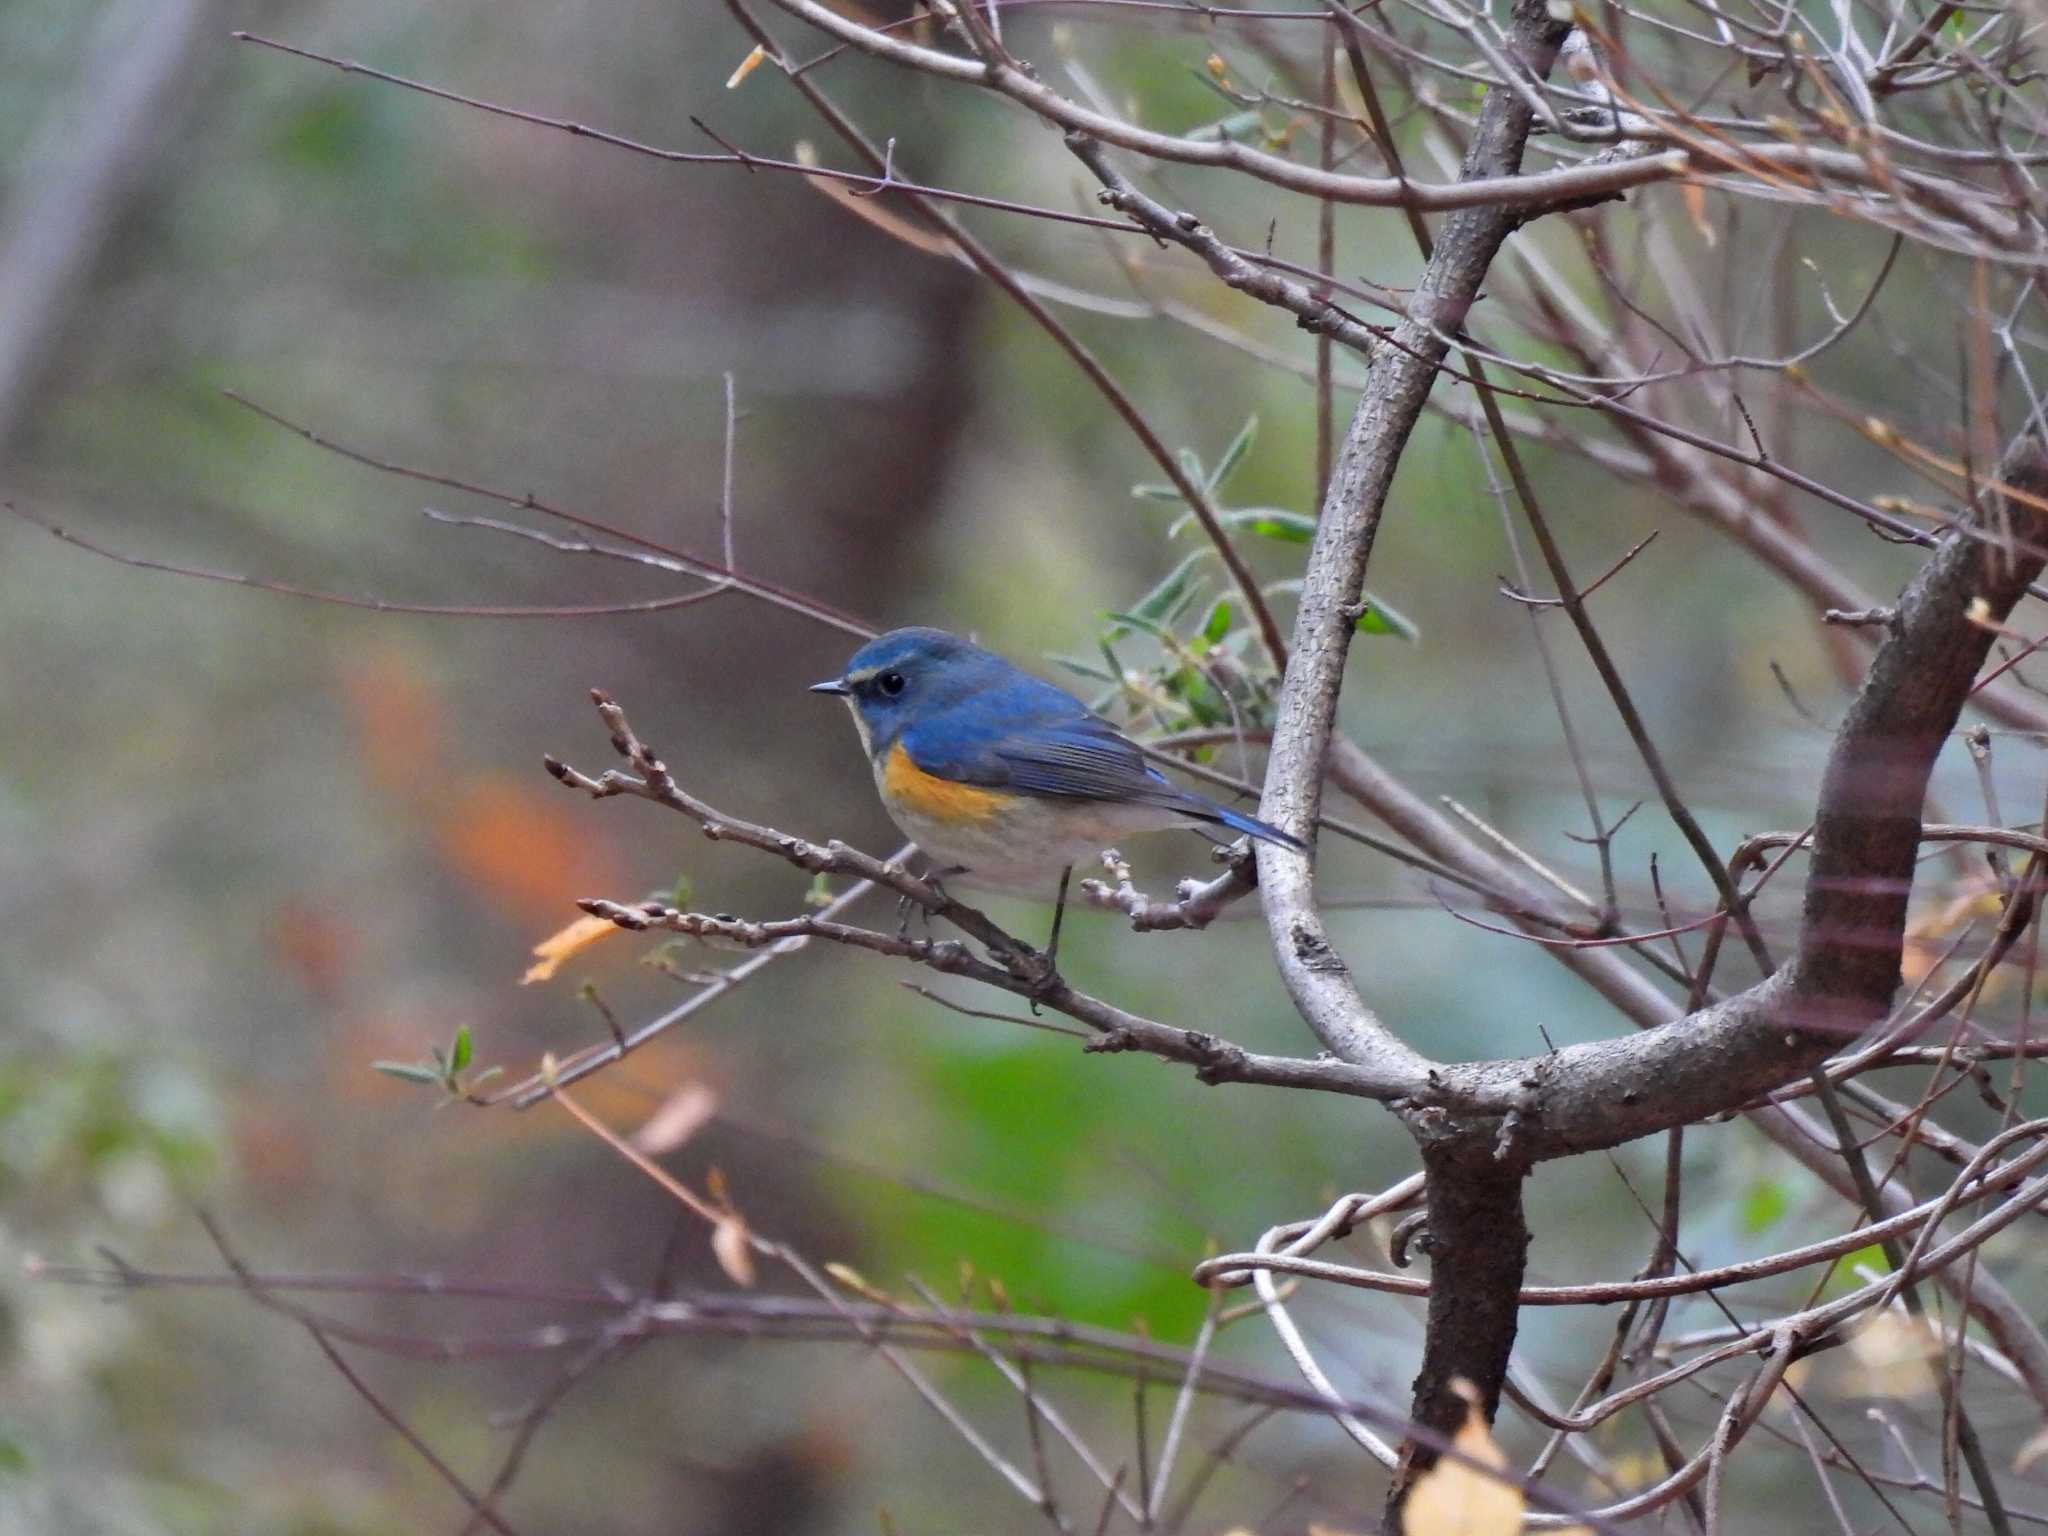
{"x": 1126, "y": 622}
{"x": 1764, "y": 1205}
{"x": 1272, "y": 523}
{"x": 1156, "y": 607}
{"x": 1239, "y": 446}
{"x": 1080, "y": 668}
{"x": 1152, "y": 491}
{"x": 1379, "y": 619}
{"x": 1219, "y": 622}
{"x": 410, "y": 1072}
{"x": 1190, "y": 465}
{"x": 1267, "y": 522}
{"x": 1851, "y": 1269}
{"x": 464, "y": 1048}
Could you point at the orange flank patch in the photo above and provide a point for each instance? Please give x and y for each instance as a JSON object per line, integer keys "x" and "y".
{"x": 936, "y": 799}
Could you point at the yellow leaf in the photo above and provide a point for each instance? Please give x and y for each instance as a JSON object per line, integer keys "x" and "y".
{"x": 1454, "y": 1499}
{"x": 1977, "y": 897}
{"x": 853, "y": 1280}
{"x": 563, "y": 943}
{"x": 731, "y": 1247}
{"x": 748, "y": 65}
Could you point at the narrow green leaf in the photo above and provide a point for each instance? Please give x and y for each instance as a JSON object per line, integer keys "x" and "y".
{"x": 464, "y": 1048}
{"x": 1219, "y": 621}
{"x": 1190, "y": 464}
{"x": 1379, "y": 619}
{"x": 1127, "y": 622}
{"x": 1272, "y": 523}
{"x": 1162, "y": 599}
{"x": 1156, "y": 492}
{"x": 1080, "y": 668}
{"x": 1239, "y": 446}
{"x": 411, "y": 1072}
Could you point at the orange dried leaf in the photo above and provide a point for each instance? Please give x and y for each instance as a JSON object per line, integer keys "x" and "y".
{"x": 1695, "y": 199}
{"x": 748, "y": 65}
{"x": 1456, "y": 1499}
{"x": 563, "y": 943}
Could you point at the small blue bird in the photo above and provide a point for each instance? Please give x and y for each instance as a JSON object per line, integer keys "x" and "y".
{"x": 1001, "y": 777}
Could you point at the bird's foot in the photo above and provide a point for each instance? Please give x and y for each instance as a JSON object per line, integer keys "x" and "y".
{"x": 1037, "y": 969}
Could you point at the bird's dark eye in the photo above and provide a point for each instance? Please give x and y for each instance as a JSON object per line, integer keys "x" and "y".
{"x": 891, "y": 683}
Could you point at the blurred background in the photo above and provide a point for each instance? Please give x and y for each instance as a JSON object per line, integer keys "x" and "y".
{"x": 250, "y": 843}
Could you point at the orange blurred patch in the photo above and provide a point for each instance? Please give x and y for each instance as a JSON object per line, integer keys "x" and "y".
{"x": 273, "y": 1147}
{"x": 314, "y": 945}
{"x": 526, "y": 851}
{"x": 397, "y": 714}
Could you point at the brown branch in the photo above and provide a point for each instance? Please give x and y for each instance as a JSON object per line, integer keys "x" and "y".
{"x": 1499, "y": 189}
{"x": 1487, "y": 1273}
{"x": 1011, "y": 966}
{"x": 1196, "y": 903}
{"x": 1865, "y": 841}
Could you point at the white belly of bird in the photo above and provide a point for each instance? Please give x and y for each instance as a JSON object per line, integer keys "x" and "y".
{"x": 1023, "y": 846}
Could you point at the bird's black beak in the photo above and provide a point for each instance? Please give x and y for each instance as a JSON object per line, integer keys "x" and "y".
{"x": 835, "y": 686}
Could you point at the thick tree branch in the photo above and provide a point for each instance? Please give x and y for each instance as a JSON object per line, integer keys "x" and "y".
{"x": 1474, "y": 1280}
{"x": 1866, "y": 832}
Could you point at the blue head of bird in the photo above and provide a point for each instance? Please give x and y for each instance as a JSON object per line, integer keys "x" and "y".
{"x": 896, "y": 678}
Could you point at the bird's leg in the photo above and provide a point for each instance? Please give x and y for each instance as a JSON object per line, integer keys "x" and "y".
{"x": 1059, "y": 913}
{"x": 904, "y": 904}
{"x": 1052, "y": 945}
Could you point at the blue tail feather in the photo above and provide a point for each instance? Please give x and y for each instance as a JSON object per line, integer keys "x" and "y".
{"x": 1250, "y": 826}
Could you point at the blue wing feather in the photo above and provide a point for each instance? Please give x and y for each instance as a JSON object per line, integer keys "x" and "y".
{"x": 1050, "y": 745}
